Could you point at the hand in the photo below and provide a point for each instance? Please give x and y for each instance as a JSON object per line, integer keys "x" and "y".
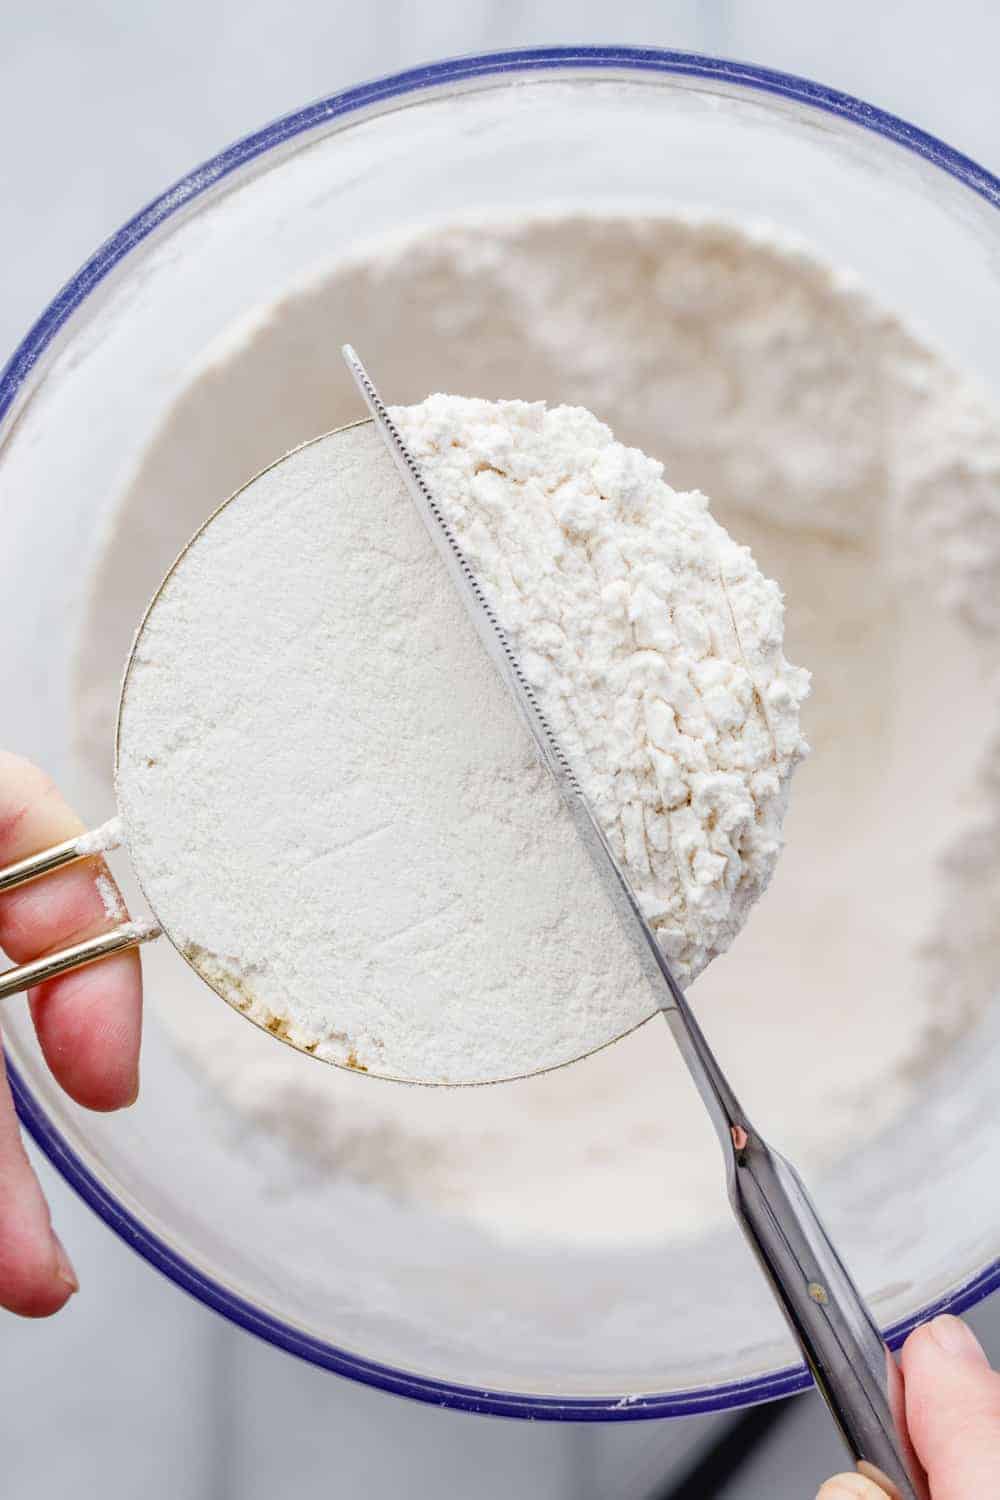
{"x": 953, "y": 1413}
{"x": 87, "y": 1022}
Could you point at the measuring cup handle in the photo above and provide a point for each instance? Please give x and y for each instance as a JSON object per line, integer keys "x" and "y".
{"x": 125, "y": 935}
{"x": 853, "y": 1368}
{"x": 26, "y": 976}
{"x": 81, "y": 846}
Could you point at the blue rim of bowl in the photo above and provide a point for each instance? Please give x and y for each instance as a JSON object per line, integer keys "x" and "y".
{"x": 715, "y": 1398}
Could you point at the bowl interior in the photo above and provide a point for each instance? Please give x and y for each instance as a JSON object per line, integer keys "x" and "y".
{"x": 343, "y": 1275}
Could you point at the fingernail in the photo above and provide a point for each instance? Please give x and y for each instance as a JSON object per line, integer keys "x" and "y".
{"x": 134, "y": 1095}
{"x": 956, "y": 1338}
{"x": 846, "y": 1487}
{"x": 64, "y": 1266}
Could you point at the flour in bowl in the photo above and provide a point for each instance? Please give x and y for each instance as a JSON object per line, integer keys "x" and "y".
{"x": 856, "y": 463}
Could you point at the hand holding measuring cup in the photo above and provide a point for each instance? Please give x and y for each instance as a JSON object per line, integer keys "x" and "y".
{"x": 88, "y": 1026}
{"x": 87, "y": 1021}
{"x": 834, "y": 1327}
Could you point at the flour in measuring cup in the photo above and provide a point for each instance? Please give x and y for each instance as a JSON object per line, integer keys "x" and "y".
{"x": 329, "y": 798}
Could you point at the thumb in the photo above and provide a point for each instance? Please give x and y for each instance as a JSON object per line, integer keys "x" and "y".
{"x": 953, "y": 1409}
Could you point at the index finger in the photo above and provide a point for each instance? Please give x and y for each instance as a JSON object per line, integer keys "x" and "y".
{"x": 87, "y": 1021}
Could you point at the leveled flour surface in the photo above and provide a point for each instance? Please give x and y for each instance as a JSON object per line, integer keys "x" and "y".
{"x": 333, "y": 806}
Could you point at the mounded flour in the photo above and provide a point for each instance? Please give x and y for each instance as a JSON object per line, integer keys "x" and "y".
{"x": 652, "y": 640}
{"x": 856, "y": 463}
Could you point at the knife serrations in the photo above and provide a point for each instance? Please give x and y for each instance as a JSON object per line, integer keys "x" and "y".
{"x": 504, "y": 658}
{"x": 491, "y": 632}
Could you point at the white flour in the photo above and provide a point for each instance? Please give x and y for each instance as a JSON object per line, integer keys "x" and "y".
{"x": 314, "y": 759}
{"x": 855, "y": 465}
{"x": 110, "y": 899}
{"x": 334, "y": 808}
{"x": 652, "y": 641}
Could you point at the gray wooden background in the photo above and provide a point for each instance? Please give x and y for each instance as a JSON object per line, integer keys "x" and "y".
{"x": 135, "y": 1389}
